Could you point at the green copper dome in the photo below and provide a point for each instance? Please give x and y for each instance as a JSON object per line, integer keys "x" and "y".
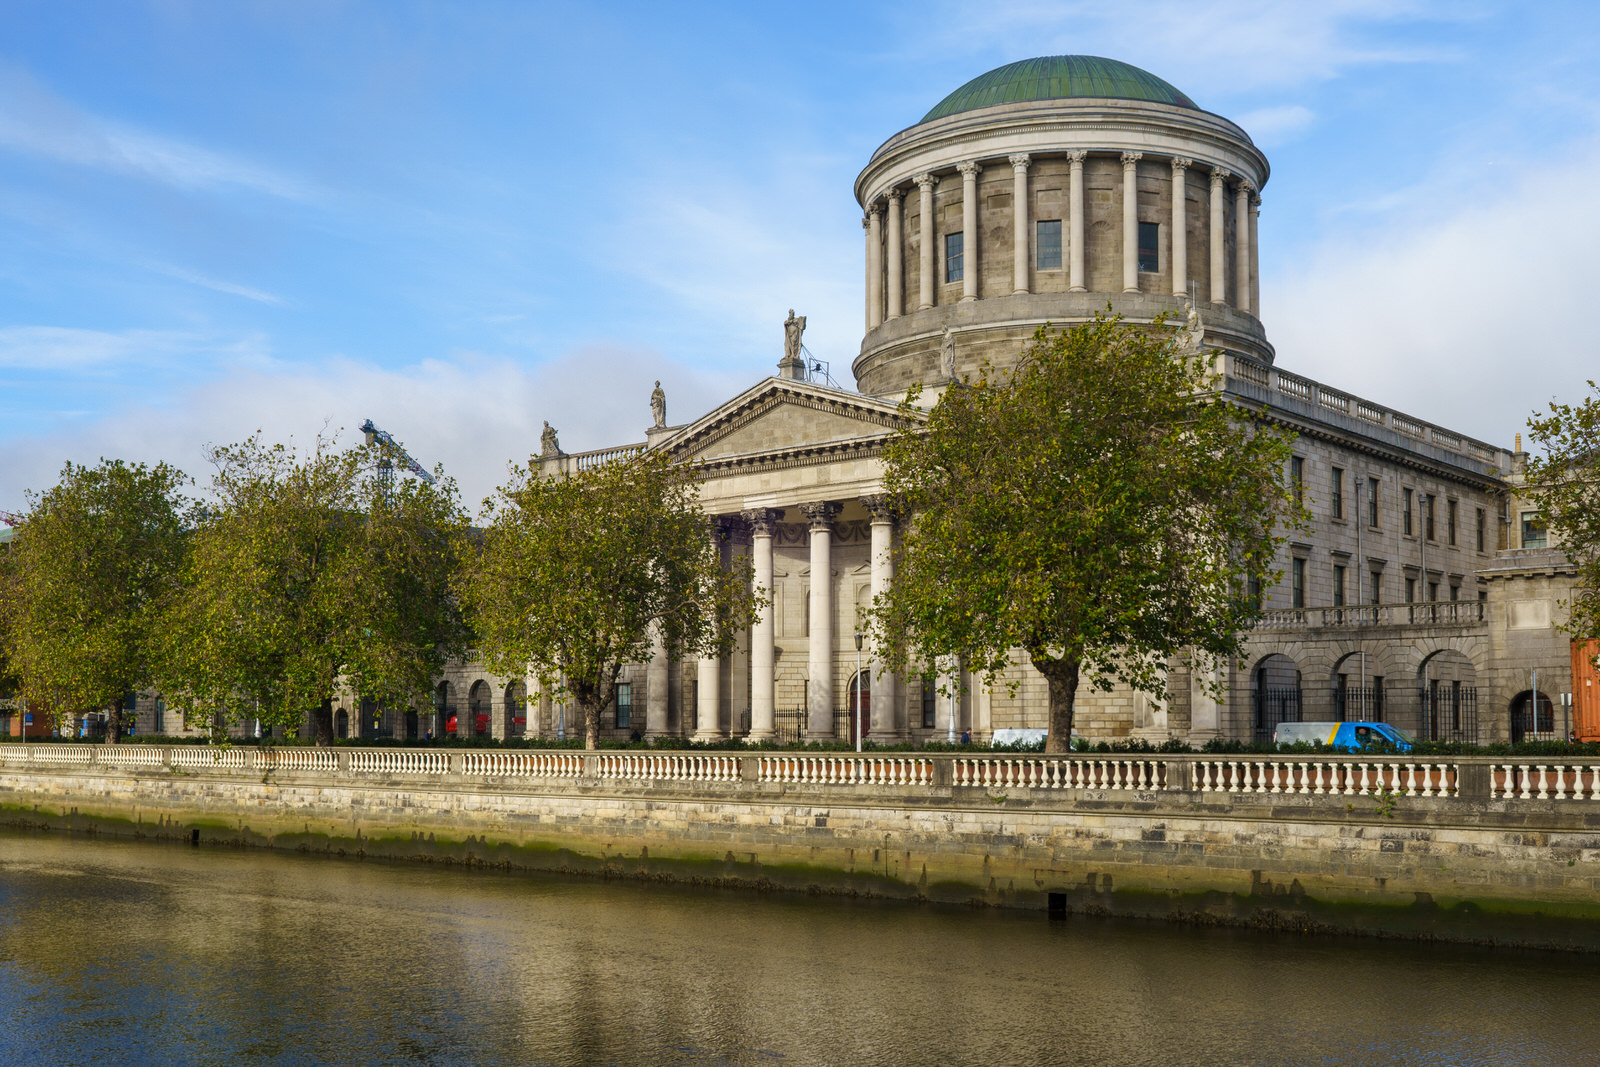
{"x": 1058, "y": 78}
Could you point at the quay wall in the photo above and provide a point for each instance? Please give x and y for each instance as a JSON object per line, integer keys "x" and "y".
{"x": 1455, "y": 848}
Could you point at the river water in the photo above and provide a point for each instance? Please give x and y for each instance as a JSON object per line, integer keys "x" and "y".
{"x": 117, "y": 952}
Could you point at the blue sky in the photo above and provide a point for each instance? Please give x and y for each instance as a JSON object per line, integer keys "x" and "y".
{"x": 462, "y": 219}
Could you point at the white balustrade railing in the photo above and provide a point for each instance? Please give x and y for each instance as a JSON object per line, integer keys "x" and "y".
{"x": 14, "y": 753}
{"x": 1327, "y": 777}
{"x": 130, "y": 756}
{"x": 294, "y": 759}
{"x": 1143, "y": 775}
{"x": 61, "y": 754}
{"x": 522, "y": 765}
{"x": 397, "y": 761}
{"x": 674, "y": 767}
{"x": 207, "y": 757}
{"x": 1544, "y": 781}
{"x": 846, "y": 770}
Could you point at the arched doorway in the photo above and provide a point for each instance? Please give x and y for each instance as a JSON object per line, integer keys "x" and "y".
{"x": 478, "y": 700}
{"x": 341, "y": 723}
{"x": 860, "y": 716}
{"x": 516, "y": 703}
{"x": 1274, "y": 694}
{"x": 1533, "y": 720}
{"x": 1358, "y": 689}
{"x": 441, "y": 711}
{"x": 1447, "y": 698}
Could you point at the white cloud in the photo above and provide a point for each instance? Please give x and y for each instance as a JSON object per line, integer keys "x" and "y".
{"x": 217, "y": 285}
{"x": 473, "y": 414}
{"x": 73, "y": 350}
{"x": 36, "y": 122}
{"x": 1472, "y": 315}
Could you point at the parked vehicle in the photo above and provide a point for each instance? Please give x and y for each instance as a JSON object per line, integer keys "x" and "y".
{"x": 1351, "y": 735}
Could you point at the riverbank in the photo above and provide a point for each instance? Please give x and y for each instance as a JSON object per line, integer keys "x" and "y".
{"x": 1455, "y": 850}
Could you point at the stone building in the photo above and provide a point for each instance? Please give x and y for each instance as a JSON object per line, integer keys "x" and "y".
{"x": 1044, "y": 191}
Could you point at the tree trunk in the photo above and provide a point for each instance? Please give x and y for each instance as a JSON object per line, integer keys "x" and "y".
{"x": 114, "y": 725}
{"x": 1062, "y": 678}
{"x": 322, "y": 721}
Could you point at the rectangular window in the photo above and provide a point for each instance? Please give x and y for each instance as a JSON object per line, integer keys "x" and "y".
{"x": 1480, "y": 529}
{"x": 952, "y": 257}
{"x": 1533, "y": 531}
{"x": 1338, "y": 585}
{"x": 1372, "y": 503}
{"x": 1405, "y": 511}
{"x": 1254, "y": 592}
{"x": 1455, "y": 592}
{"x": 1411, "y": 590}
{"x": 1149, "y": 247}
{"x": 1433, "y": 591}
{"x": 1450, "y": 521}
{"x": 1375, "y": 588}
{"x": 1297, "y": 478}
{"x": 624, "y": 705}
{"x": 1047, "y": 244}
{"x": 1298, "y": 589}
{"x": 1427, "y": 516}
{"x": 927, "y": 701}
{"x": 1337, "y": 492}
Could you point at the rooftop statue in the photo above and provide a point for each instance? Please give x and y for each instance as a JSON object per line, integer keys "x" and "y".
{"x": 947, "y": 355}
{"x": 548, "y": 445}
{"x": 658, "y": 405}
{"x": 1192, "y": 336}
{"x": 792, "y": 329}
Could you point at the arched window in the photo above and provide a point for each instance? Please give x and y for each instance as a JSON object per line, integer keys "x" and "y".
{"x": 341, "y": 723}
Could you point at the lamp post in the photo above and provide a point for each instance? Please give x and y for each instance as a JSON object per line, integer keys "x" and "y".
{"x": 955, "y": 669}
{"x": 859, "y": 731}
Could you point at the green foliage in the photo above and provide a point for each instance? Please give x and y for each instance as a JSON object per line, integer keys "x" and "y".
{"x": 1103, "y": 510}
{"x": 574, "y": 573}
{"x": 1565, "y": 483}
{"x": 83, "y": 583}
{"x": 307, "y": 577}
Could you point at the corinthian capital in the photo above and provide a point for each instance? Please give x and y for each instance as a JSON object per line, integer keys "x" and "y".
{"x": 878, "y": 507}
{"x": 895, "y": 196}
{"x": 819, "y": 513}
{"x": 925, "y": 180}
{"x": 1077, "y": 156}
{"x": 1247, "y": 186}
{"x": 1181, "y": 163}
{"x": 1020, "y": 161}
{"x": 1131, "y": 158}
{"x": 969, "y": 169}
{"x": 1218, "y": 175}
{"x": 763, "y": 521}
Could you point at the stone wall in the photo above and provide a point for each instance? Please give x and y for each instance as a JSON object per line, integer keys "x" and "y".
{"x": 1181, "y": 837}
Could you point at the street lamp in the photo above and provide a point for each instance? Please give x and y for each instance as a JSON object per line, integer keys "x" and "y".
{"x": 859, "y": 731}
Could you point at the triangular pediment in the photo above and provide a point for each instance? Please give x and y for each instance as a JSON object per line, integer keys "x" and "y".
{"x": 779, "y": 414}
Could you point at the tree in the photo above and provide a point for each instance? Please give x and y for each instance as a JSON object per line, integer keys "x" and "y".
{"x": 1565, "y": 484}
{"x": 308, "y": 577}
{"x": 1102, "y": 510}
{"x": 575, "y": 572}
{"x": 84, "y": 582}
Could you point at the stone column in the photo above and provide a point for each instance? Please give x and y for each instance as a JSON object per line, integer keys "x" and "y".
{"x": 930, "y": 237}
{"x": 1241, "y": 244}
{"x": 874, "y": 266}
{"x": 897, "y": 274}
{"x": 1178, "y": 258}
{"x": 1075, "y": 278}
{"x": 819, "y": 689}
{"x": 1219, "y": 260}
{"x": 1020, "y": 281}
{"x": 466, "y": 718}
{"x": 1255, "y": 256}
{"x": 1130, "y": 221}
{"x": 657, "y": 683}
{"x": 885, "y": 687}
{"x": 969, "y": 229}
{"x": 535, "y": 726}
{"x": 736, "y": 703}
{"x": 708, "y": 675}
{"x": 763, "y": 702}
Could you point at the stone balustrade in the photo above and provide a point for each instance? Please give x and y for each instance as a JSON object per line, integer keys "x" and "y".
{"x": 1430, "y": 613}
{"x": 910, "y": 775}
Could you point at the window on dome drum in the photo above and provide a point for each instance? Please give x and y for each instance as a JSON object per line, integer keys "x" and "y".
{"x": 953, "y": 271}
{"x": 1298, "y": 587}
{"x": 1372, "y": 503}
{"x": 1337, "y": 493}
{"x": 624, "y": 705}
{"x": 1047, "y": 244}
{"x": 1149, "y": 247}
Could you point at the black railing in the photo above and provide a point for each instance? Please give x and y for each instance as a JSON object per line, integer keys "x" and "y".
{"x": 1274, "y": 705}
{"x": 1358, "y": 703}
{"x": 1447, "y": 712}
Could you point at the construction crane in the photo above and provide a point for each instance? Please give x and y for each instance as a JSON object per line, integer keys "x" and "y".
{"x": 390, "y": 452}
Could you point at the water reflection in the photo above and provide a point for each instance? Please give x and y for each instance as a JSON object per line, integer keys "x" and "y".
{"x": 117, "y": 952}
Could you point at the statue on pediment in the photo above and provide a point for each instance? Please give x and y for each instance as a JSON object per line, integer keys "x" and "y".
{"x": 548, "y": 445}
{"x": 658, "y": 405}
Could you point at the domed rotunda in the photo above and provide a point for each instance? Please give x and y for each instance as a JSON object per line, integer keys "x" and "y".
{"x": 1041, "y": 192}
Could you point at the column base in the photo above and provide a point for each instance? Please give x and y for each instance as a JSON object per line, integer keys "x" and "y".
{"x": 1078, "y": 289}
{"x": 1020, "y": 292}
{"x": 924, "y": 307}
{"x": 714, "y": 735}
{"x": 1135, "y": 289}
{"x": 757, "y": 736}
{"x": 967, "y": 298}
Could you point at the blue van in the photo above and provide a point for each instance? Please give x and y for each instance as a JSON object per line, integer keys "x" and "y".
{"x": 1351, "y": 735}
